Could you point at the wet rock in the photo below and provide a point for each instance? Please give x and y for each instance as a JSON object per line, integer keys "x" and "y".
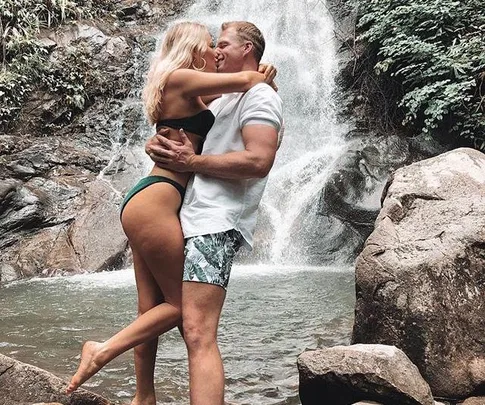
{"x": 367, "y": 403}
{"x": 128, "y": 9}
{"x": 7, "y": 273}
{"x": 79, "y": 243}
{"x": 20, "y": 208}
{"x": 56, "y": 214}
{"x": 342, "y": 375}
{"x": 22, "y": 384}
{"x": 420, "y": 277}
{"x": 473, "y": 401}
{"x": 95, "y": 249}
{"x": 352, "y": 192}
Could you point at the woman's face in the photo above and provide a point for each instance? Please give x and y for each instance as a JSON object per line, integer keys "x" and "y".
{"x": 210, "y": 56}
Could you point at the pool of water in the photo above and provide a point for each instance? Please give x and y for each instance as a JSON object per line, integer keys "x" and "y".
{"x": 271, "y": 315}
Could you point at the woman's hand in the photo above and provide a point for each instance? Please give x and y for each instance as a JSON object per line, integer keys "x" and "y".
{"x": 269, "y": 72}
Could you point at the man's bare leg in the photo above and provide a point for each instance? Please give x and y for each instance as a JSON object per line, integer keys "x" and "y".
{"x": 201, "y": 309}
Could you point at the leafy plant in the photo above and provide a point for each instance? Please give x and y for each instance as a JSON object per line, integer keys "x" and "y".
{"x": 24, "y": 60}
{"x": 434, "y": 52}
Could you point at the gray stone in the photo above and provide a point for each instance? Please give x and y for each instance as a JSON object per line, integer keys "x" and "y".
{"x": 474, "y": 401}
{"x": 56, "y": 215}
{"x": 420, "y": 277}
{"x": 343, "y": 375}
{"x": 21, "y": 383}
{"x": 367, "y": 403}
{"x": 7, "y": 273}
{"x": 80, "y": 244}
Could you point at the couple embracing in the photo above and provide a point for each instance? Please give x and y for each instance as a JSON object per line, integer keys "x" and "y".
{"x": 187, "y": 219}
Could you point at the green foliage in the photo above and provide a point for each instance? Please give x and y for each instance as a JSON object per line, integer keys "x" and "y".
{"x": 24, "y": 60}
{"x": 433, "y": 50}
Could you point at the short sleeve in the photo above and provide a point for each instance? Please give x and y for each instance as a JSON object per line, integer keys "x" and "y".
{"x": 262, "y": 105}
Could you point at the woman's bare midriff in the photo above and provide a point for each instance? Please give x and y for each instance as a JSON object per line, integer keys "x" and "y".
{"x": 181, "y": 178}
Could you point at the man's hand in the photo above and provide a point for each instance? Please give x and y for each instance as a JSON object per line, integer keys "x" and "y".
{"x": 168, "y": 154}
{"x": 269, "y": 72}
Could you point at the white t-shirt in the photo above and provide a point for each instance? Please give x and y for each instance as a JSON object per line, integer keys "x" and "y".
{"x": 214, "y": 205}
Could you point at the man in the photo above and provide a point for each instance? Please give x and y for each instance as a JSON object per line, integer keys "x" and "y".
{"x": 220, "y": 208}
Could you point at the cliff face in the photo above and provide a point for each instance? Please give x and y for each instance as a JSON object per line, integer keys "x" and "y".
{"x": 63, "y": 171}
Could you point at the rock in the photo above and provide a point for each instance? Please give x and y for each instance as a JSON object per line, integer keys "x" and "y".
{"x": 45, "y": 403}
{"x": 367, "y": 403}
{"x": 342, "y": 375}
{"x": 22, "y": 384}
{"x": 95, "y": 249}
{"x": 353, "y": 189}
{"x": 7, "y": 273}
{"x": 420, "y": 277}
{"x": 56, "y": 152}
{"x": 80, "y": 243}
{"x": 473, "y": 401}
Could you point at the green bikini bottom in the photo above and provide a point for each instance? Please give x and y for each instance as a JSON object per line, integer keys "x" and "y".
{"x": 148, "y": 181}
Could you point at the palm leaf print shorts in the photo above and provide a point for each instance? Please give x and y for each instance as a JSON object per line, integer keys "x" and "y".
{"x": 208, "y": 258}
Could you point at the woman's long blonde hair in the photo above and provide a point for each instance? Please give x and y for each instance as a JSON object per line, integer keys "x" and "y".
{"x": 181, "y": 42}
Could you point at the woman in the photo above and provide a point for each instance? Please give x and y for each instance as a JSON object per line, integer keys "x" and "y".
{"x": 182, "y": 74}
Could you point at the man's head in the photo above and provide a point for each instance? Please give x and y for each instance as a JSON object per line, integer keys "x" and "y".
{"x": 240, "y": 47}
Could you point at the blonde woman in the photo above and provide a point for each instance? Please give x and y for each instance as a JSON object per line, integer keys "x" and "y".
{"x": 183, "y": 73}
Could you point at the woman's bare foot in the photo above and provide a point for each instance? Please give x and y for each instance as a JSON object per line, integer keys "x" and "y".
{"x": 90, "y": 364}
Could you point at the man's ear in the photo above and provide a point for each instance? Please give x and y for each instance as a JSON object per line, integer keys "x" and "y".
{"x": 248, "y": 47}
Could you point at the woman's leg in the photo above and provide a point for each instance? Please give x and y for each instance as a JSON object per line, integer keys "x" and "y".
{"x": 149, "y": 296}
{"x": 151, "y": 223}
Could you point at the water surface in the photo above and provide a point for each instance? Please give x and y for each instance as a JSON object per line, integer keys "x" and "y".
{"x": 271, "y": 315}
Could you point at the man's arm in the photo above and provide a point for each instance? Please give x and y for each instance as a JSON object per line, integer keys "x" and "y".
{"x": 255, "y": 161}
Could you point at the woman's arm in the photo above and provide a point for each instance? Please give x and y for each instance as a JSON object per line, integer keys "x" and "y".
{"x": 209, "y": 99}
{"x": 192, "y": 83}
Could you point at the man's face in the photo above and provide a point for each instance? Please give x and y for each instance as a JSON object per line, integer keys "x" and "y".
{"x": 229, "y": 52}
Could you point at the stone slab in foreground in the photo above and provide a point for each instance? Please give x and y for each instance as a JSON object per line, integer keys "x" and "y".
{"x": 22, "y": 384}
{"x": 343, "y": 375}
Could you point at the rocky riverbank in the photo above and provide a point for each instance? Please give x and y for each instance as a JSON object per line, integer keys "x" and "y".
{"x": 419, "y": 286}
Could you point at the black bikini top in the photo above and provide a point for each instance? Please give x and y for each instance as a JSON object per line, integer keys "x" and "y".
{"x": 198, "y": 124}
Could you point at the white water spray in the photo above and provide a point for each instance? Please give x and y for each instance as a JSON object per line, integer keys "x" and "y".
{"x": 300, "y": 43}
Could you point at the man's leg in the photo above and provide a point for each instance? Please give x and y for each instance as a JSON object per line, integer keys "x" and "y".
{"x": 201, "y": 309}
{"x": 208, "y": 261}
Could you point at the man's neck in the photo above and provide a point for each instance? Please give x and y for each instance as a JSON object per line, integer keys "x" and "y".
{"x": 250, "y": 65}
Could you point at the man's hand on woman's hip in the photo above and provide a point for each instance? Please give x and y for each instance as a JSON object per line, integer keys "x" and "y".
{"x": 169, "y": 154}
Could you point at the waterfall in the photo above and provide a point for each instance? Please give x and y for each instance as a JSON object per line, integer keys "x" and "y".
{"x": 292, "y": 229}
{"x": 300, "y": 43}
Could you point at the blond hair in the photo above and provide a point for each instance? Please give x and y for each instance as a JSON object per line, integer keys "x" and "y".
{"x": 180, "y": 44}
{"x": 247, "y": 31}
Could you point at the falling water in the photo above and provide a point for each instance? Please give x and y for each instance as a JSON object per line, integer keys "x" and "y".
{"x": 300, "y": 43}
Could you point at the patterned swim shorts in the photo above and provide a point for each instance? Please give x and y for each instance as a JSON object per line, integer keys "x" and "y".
{"x": 208, "y": 258}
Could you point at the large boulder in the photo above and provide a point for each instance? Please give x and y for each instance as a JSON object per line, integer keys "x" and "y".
{"x": 343, "y": 375}
{"x": 420, "y": 278}
{"x": 22, "y": 384}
